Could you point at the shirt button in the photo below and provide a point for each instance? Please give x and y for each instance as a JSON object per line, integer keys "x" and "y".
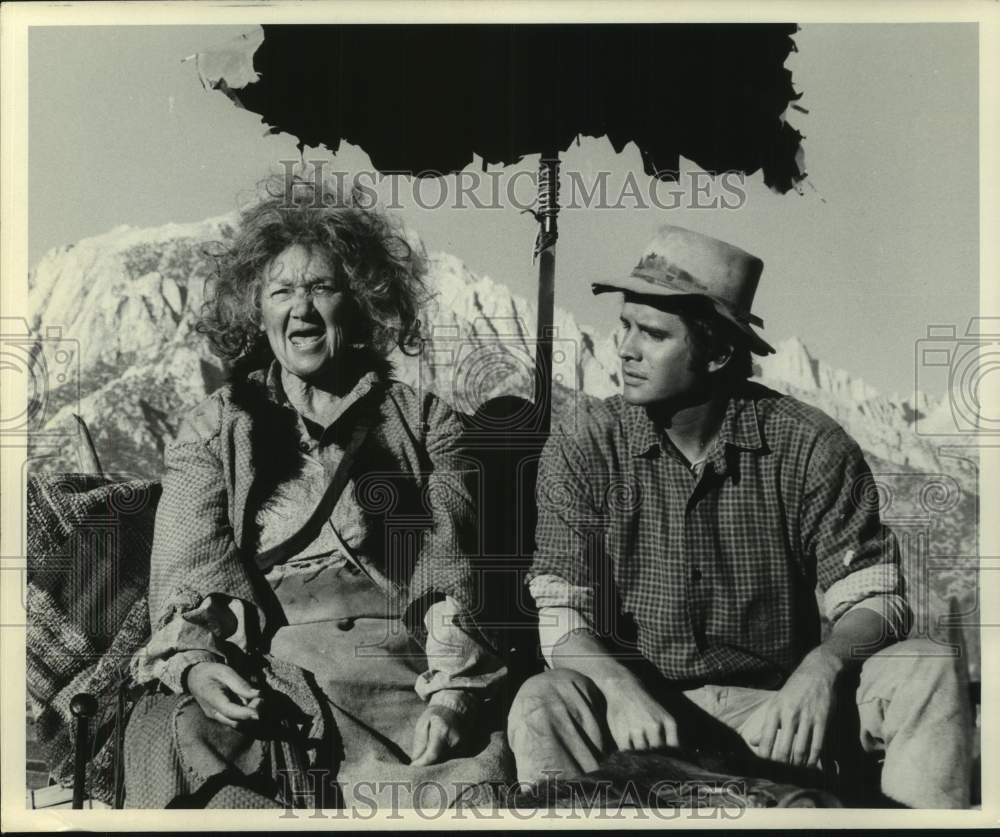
{"x": 345, "y": 624}
{"x": 696, "y": 574}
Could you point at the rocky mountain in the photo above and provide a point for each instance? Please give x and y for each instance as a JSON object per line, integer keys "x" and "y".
{"x": 124, "y": 304}
{"x": 883, "y": 426}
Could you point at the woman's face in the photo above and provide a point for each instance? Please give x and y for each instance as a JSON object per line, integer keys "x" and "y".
{"x": 304, "y": 311}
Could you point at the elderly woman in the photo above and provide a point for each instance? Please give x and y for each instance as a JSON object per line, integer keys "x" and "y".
{"x": 310, "y": 587}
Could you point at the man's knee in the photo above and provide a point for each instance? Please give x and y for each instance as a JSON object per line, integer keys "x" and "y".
{"x": 917, "y": 657}
{"x": 550, "y": 691}
{"x": 913, "y": 668}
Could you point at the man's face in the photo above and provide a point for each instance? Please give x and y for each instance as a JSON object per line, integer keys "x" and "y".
{"x": 304, "y": 311}
{"x": 658, "y": 363}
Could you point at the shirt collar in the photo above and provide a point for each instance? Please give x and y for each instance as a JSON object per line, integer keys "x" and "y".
{"x": 277, "y": 394}
{"x": 643, "y": 434}
{"x": 739, "y": 429}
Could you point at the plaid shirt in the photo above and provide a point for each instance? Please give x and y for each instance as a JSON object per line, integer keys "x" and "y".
{"x": 710, "y": 573}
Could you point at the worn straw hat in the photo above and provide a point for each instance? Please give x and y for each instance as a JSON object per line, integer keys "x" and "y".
{"x": 680, "y": 262}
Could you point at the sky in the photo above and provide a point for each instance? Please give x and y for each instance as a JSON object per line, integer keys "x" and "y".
{"x": 881, "y": 243}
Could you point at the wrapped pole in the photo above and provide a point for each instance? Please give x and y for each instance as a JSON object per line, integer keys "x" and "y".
{"x": 545, "y": 253}
{"x": 120, "y": 720}
{"x": 84, "y": 707}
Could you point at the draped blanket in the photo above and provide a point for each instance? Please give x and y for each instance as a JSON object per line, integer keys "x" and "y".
{"x": 89, "y": 541}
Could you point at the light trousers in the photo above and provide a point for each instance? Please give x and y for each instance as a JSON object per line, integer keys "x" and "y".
{"x": 912, "y": 706}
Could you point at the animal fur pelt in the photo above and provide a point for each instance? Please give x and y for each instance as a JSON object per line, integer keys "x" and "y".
{"x": 667, "y": 778}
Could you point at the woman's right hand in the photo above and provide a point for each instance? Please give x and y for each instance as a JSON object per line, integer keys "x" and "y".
{"x": 222, "y": 694}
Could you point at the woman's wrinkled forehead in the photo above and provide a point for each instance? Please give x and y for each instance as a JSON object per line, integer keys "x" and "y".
{"x": 298, "y": 265}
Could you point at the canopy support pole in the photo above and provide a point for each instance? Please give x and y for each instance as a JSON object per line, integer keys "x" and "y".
{"x": 545, "y": 252}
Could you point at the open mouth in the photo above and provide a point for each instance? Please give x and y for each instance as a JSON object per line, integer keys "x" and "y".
{"x": 306, "y": 338}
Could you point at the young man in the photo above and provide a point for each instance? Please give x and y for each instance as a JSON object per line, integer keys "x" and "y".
{"x": 682, "y": 535}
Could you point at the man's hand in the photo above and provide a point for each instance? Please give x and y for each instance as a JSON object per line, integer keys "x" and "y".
{"x": 222, "y": 694}
{"x": 636, "y": 720}
{"x": 792, "y": 725}
{"x": 438, "y": 733}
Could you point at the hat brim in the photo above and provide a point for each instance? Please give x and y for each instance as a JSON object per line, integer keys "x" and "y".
{"x": 641, "y": 287}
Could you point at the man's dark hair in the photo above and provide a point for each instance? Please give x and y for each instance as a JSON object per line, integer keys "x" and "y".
{"x": 711, "y": 334}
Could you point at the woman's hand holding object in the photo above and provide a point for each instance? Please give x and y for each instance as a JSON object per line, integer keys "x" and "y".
{"x": 222, "y": 694}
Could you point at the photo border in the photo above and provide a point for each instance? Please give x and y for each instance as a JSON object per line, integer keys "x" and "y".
{"x": 18, "y": 17}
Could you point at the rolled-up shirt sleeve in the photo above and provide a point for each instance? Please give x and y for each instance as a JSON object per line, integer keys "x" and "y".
{"x": 194, "y": 636}
{"x": 562, "y": 609}
{"x": 893, "y": 609}
{"x": 461, "y": 670}
{"x": 855, "y": 555}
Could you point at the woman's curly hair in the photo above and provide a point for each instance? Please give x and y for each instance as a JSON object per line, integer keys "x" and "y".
{"x": 384, "y": 274}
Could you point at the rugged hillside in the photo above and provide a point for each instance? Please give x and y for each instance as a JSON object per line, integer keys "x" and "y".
{"x": 883, "y": 426}
{"x": 125, "y": 303}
